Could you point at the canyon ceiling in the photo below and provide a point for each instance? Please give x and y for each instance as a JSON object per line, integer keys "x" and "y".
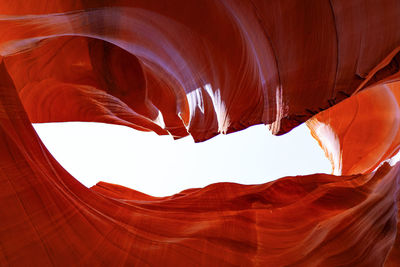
{"x": 202, "y": 68}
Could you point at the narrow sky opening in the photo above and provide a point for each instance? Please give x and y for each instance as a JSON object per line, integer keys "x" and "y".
{"x": 160, "y": 166}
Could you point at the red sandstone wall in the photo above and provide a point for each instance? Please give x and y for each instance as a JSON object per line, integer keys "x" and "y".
{"x": 202, "y": 68}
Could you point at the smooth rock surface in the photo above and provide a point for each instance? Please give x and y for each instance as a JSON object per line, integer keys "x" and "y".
{"x": 183, "y": 67}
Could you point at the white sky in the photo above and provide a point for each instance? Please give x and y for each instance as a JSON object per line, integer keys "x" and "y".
{"x": 159, "y": 166}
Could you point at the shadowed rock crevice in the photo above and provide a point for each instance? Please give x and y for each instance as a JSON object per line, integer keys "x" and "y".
{"x": 189, "y": 68}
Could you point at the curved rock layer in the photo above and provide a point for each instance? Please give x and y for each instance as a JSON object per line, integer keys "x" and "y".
{"x": 49, "y": 218}
{"x": 183, "y": 67}
{"x": 362, "y": 131}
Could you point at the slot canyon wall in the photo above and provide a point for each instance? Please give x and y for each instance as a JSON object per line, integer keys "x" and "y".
{"x": 202, "y": 68}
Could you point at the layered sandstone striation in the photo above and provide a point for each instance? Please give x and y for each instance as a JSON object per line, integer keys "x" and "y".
{"x": 202, "y": 68}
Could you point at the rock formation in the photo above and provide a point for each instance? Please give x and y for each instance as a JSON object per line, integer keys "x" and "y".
{"x": 202, "y": 68}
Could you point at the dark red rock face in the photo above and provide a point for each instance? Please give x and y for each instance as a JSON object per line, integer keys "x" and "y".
{"x": 201, "y": 68}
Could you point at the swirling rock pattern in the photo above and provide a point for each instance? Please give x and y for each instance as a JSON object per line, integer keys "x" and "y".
{"x": 202, "y": 68}
{"x": 344, "y": 129}
{"x": 190, "y": 67}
